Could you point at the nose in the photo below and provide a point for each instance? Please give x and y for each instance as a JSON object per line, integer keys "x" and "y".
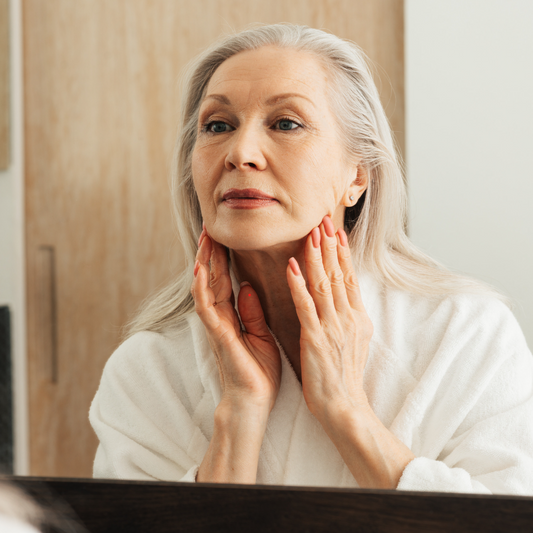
{"x": 245, "y": 150}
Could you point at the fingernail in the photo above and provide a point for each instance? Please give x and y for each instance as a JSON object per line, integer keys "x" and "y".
{"x": 294, "y": 266}
{"x": 342, "y": 237}
{"x": 196, "y": 267}
{"x": 329, "y": 227}
{"x": 315, "y": 236}
{"x": 244, "y": 283}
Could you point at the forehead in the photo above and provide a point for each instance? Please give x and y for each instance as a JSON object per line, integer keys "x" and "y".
{"x": 271, "y": 70}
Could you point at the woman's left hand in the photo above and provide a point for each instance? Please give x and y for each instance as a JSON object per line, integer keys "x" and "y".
{"x": 334, "y": 340}
{"x": 335, "y": 328}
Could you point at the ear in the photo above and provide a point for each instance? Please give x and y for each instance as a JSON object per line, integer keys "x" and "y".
{"x": 357, "y": 187}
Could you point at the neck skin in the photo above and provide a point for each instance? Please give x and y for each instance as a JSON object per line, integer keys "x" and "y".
{"x": 266, "y": 271}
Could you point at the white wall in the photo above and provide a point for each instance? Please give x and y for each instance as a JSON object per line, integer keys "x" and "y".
{"x": 469, "y": 86}
{"x": 12, "y": 245}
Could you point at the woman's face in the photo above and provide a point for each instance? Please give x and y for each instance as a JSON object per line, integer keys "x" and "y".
{"x": 266, "y": 124}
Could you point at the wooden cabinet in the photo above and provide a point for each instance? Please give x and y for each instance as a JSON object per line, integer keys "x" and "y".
{"x": 101, "y": 106}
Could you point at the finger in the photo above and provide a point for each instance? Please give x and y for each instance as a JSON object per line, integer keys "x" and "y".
{"x": 329, "y": 244}
{"x": 303, "y": 301}
{"x": 319, "y": 285}
{"x": 251, "y": 312}
{"x": 204, "y": 298}
{"x": 220, "y": 276}
{"x": 201, "y": 238}
{"x": 351, "y": 282}
{"x": 212, "y": 255}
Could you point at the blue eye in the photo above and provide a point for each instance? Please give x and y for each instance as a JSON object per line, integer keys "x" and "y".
{"x": 218, "y": 127}
{"x": 287, "y": 125}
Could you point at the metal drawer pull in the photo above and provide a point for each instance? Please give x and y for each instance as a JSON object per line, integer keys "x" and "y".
{"x": 47, "y": 312}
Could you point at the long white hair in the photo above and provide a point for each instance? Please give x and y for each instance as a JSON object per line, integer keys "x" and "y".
{"x": 375, "y": 225}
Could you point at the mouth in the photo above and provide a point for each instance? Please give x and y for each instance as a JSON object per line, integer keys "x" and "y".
{"x": 247, "y": 194}
{"x": 247, "y": 199}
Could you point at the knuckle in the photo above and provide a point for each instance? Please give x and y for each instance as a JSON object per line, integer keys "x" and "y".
{"x": 336, "y": 277}
{"x": 351, "y": 281}
{"x": 213, "y": 278}
{"x": 316, "y": 260}
{"x": 331, "y": 245}
{"x": 308, "y": 305}
{"x": 346, "y": 253}
{"x": 323, "y": 286}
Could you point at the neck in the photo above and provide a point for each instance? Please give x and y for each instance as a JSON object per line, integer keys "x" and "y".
{"x": 266, "y": 271}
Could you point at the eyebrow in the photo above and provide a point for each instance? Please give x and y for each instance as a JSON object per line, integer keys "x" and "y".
{"x": 278, "y": 98}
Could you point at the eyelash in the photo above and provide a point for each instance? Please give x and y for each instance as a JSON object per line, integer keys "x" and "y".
{"x": 207, "y": 125}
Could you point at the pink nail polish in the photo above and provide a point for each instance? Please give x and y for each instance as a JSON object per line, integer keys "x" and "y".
{"x": 315, "y": 236}
{"x": 294, "y": 266}
{"x": 342, "y": 237}
{"x": 328, "y": 226}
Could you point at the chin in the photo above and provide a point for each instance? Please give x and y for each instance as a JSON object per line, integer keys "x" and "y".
{"x": 246, "y": 242}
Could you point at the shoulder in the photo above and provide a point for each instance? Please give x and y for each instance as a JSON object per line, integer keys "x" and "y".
{"x": 460, "y": 328}
{"x": 472, "y": 330}
{"x": 476, "y": 317}
{"x": 148, "y": 354}
{"x": 150, "y": 366}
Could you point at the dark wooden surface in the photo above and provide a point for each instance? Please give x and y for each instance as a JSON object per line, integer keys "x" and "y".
{"x": 99, "y": 506}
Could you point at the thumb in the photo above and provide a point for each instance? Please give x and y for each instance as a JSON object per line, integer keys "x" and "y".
{"x": 251, "y": 312}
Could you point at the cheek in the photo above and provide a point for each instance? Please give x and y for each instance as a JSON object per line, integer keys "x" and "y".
{"x": 202, "y": 172}
{"x": 311, "y": 173}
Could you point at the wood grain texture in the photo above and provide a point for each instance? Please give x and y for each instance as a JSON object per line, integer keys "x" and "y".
{"x": 101, "y": 107}
{"x": 130, "y": 506}
{"x": 4, "y": 86}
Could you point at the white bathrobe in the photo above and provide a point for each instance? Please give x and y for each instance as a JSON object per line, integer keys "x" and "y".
{"x": 451, "y": 377}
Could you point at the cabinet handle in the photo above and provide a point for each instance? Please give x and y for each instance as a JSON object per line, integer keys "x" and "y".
{"x": 47, "y": 312}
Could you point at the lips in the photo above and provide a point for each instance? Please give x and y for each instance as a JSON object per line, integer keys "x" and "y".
{"x": 254, "y": 194}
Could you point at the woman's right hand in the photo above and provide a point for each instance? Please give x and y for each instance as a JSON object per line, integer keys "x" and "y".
{"x": 248, "y": 361}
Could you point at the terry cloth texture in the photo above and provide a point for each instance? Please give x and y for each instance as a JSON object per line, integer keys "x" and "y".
{"x": 451, "y": 377}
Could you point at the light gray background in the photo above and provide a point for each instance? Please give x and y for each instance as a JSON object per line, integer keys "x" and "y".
{"x": 469, "y": 87}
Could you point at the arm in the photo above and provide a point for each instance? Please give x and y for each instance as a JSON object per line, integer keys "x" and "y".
{"x": 375, "y": 456}
{"x": 471, "y": 429}
{"x": 249, "y": 366}
{"x": 233, "y": 452}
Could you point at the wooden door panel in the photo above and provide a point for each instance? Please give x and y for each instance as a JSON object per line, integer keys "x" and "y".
{"x": 101, "y": 109}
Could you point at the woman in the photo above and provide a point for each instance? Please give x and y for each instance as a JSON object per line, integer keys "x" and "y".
{"x": 317, "y": 345}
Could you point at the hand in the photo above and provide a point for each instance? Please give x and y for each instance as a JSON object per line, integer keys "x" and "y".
{"x": 335, "y": 328}
{"x": 248, "y": 361}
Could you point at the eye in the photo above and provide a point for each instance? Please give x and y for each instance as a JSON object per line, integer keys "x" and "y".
{"x": 217, "y": 126}
{"x": 286, "y": 124}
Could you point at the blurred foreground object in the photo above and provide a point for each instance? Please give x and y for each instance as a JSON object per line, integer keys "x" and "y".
{"x": 18, "y": 513}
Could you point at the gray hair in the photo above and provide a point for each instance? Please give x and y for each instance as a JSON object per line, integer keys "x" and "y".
{"x": 375, "y": 225}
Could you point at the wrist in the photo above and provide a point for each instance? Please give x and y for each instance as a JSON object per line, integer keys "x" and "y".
{"x": 374, "y": 455}
{"x": 246, "y": 405}
{"x": 233, "y": 453}
{"x": 342, "y": 418}
{"x": 343, "y": 413}
{"x": 240, "y": 417}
